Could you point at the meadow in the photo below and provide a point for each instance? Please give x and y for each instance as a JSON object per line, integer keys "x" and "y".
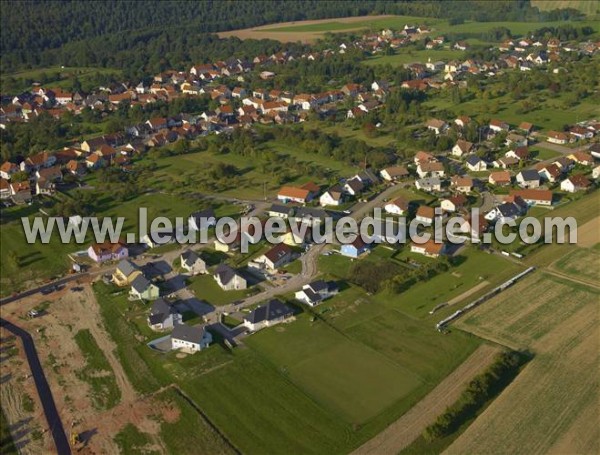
{"x": 552, "y": 404}
{"x": 312, "y": 30}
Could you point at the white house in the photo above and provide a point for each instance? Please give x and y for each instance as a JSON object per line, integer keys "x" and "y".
{"x": 429, "y": 184}
{"x": 396, "y": 207}
{"x": 267, "y": 315}
{"x": 394, "y": 173}
{"x": 528, "y": 178}
{"x": 163, "y": 315}
{"x": 435, "y": 169}
{"x": 278, "y": 256}
{"x": 314, "y": 293}
{"x": 575, "y": 183}
{"x": 229, "y": 279}
{"x": 475, "y": 164}
{"x": 436, "y": 125}
{"x": 192, "y": 262}
{"x": 462, "y": 147}
{"x": 190, "y": 339}
{"x": 333, "y": 196}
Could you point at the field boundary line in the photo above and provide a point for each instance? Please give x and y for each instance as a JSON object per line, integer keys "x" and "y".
{"x": 409, "y": 427}
{"x": 570, "y": 278}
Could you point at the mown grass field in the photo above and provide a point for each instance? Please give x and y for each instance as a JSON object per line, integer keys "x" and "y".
{"x": 473, "y": 267}
{"x": 552, "y": 405}
{"x": 190, "y": 433}
{"x": 335, "y": 371}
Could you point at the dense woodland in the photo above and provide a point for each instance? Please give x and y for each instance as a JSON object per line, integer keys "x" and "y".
{"x": 150, "y": 36}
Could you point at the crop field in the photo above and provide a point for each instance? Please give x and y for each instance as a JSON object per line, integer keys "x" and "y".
{"x": 581, "y": 263}
{"x": 589, "y": 7}
{"x": 551, "y": 407}
{"x": 312, "y": 30}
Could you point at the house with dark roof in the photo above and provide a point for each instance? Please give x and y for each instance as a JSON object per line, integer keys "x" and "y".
{"x": 143, "y": 289}
{"x": 314, "y": 293}
{"x": 190, "y": 339}
{"x": 354, "y": 186}
{"x": 229, "y": 279}
{"x": 528, "y": 178}
{"x": 267, "y": 315}
{"x": 475, "y": 164}
{"x": 192, "y": 262}
{"x": 163, "y": 315}
{"x": 202, "y": 219}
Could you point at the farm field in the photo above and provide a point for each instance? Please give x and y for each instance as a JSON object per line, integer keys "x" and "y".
{"x": 580, "y": 264}
{"x": 589, "y": 7}
{"x": 312, "y": 30}
{"x": 551, "y": 407}
{"x": 335, "y": 371}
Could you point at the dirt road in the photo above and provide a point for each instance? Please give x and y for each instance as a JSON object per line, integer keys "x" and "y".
{"x": 407, "y": 428}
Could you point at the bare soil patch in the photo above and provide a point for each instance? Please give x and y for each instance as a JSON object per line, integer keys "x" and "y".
{"x": 464, "y": 295}
{"x": 69, "y": 312}
{"x": 408, "y": 427}
{"x": 588, "y": 235}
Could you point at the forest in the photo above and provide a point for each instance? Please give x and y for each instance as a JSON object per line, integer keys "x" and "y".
{"x": 150, "y": 36}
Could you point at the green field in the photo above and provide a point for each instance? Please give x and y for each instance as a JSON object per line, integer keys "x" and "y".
{"x": 406, "y": 56}
{"x": 557, "y": 320}
{"x": 97, "y": 372}
{"x": 589, "y": 7}
{"x": 551, "y": 113}
{"x": 335, "y": 371}
{"x": 59, "y": 77}
{"x": 438, "y": 26}
{"x": 368, "y": 22}
{"x": 581, "y": 263}
{"x": 190, "y": 433}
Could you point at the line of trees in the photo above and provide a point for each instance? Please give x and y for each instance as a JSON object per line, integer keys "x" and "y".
{"x": 479, "y": 391}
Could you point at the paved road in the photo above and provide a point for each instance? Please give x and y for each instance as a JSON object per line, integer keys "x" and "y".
{"x": 562, "y": 148}
{"x": 43, "y": 388}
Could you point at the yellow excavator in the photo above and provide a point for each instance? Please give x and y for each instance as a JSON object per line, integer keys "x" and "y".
{"x": 75, "y": 440}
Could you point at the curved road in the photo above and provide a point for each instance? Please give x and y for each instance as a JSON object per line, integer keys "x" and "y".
{"x": 43, "y": 388}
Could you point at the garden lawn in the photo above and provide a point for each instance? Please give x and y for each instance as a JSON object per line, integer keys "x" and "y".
{"x": 206, "y": 288}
